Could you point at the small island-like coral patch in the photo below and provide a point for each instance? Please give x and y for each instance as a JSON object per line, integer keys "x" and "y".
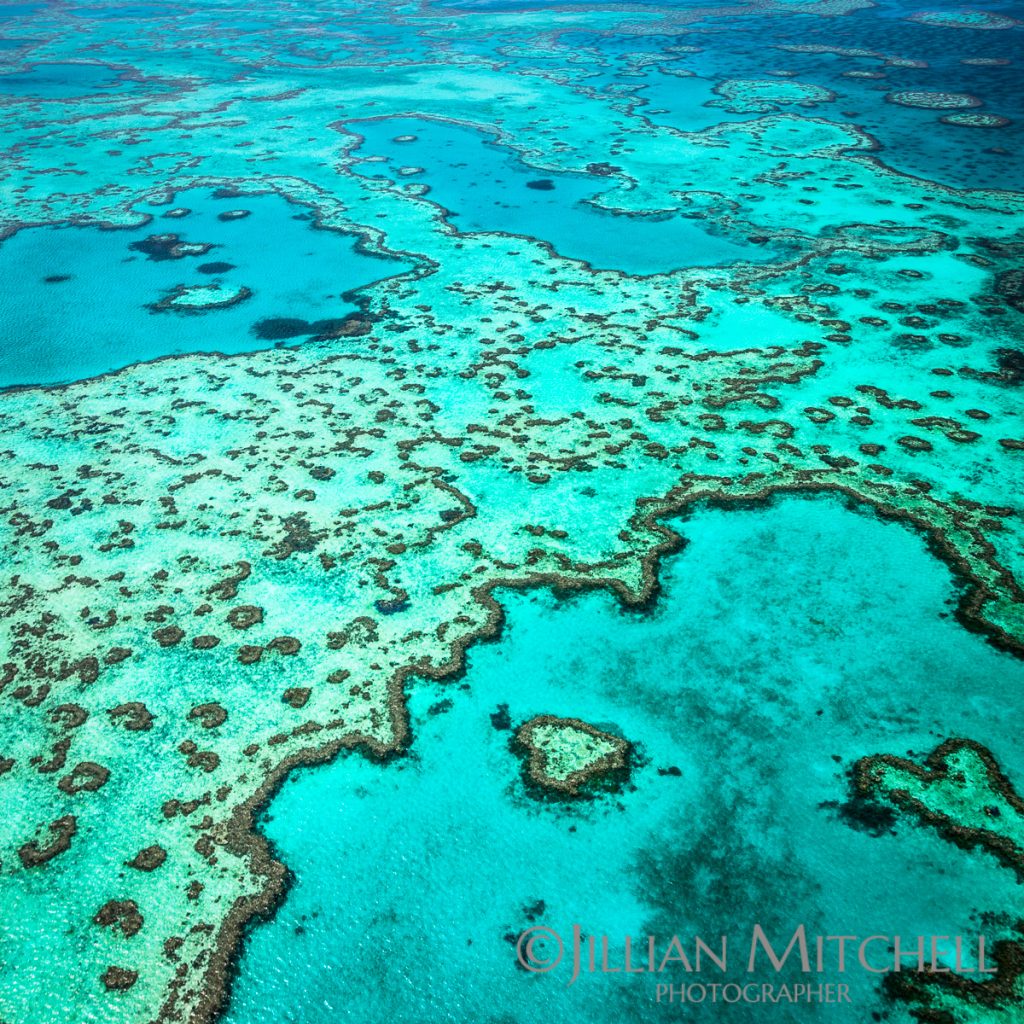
{"x": 568, "y": 757}
{"x": 961, "y": 791}
{"x": 975, "y": 119}
{"x": 925, "y": 100}
{"x": 198, "y": 298}
{"x": 985, "y": 20}
{"x": 762, "y": 96}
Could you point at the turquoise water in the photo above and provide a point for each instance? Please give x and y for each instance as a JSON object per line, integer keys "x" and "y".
{"x": 90, "y": 289}
{"x": 484, "y": 186}
{"x": 17, "y": 10}
{"x": 62, "y": 81}
{"x": 786, "y": 643}
{"x": 648, "y": 252}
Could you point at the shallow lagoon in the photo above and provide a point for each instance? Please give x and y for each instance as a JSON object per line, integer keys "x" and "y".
{"x": 485, "y": 186}
{"x": 98, "y": 315}
{"x": 787, "y": 642}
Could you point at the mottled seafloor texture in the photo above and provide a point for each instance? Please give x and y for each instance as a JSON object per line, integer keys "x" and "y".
{"x": 674, "y": 349}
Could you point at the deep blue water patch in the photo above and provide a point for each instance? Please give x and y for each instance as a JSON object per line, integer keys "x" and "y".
{"x": 130, "y": 11}
{"x": 912, "y": 141}
{"x": 10, "y": 11}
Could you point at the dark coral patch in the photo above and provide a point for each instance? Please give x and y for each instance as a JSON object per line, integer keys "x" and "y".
{"x": 62, "y": 831}
{"x": 226, "y": 589}
{"x": 68, "y": 716}
{"x": 281, "y": 328}
{"x": 245, "y": 615}
{"x": 134, "y": 716}
{"x": 285, "y": 645}
{"x": 298, "y": 536}
{"x": 205, "y": 759}
{"x": 148, "y": 859}
{"x": 1011, "y": 364}
{"x": 284, "y": 328}
{"x": 217, "y": 267}
{"x": 914, "y": 444}
{"x": 85, "y": 777}
{"x": 249, "y": 654}
{"x": 209, "y": 715}
{"x": 169, "y": 247}
{"x": 355, "y": 325}
{"x": 168, "y": 636}
{"x": 864, "y": 815}
{"x": 119, "y": 979}
{"x": 123, "y": 914}
{"x": 1010, "y": 285}
{"x": 296, "y": 696}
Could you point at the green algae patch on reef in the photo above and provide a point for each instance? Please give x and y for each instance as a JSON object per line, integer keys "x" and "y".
{"x": 569, "y": 757}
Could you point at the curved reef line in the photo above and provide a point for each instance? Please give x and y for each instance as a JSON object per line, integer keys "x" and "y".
{"x": 611, "y": 768}
{"x": 1006, "y": 986}
{"x": 242, "y": 835}
{"x": 867, "y": 778}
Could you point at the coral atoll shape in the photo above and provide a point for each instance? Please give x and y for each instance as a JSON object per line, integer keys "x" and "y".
{"x": 567, "y": 757}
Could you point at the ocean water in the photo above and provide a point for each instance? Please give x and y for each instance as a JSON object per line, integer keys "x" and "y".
{"x": 483, "y": 186}
{"x": 786, "y": 643}
{"x": 884, "y": 53}
{"x": 459, "y": 292}
{"x": 89, "y": 288}
{"x": 61, "y": 81}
